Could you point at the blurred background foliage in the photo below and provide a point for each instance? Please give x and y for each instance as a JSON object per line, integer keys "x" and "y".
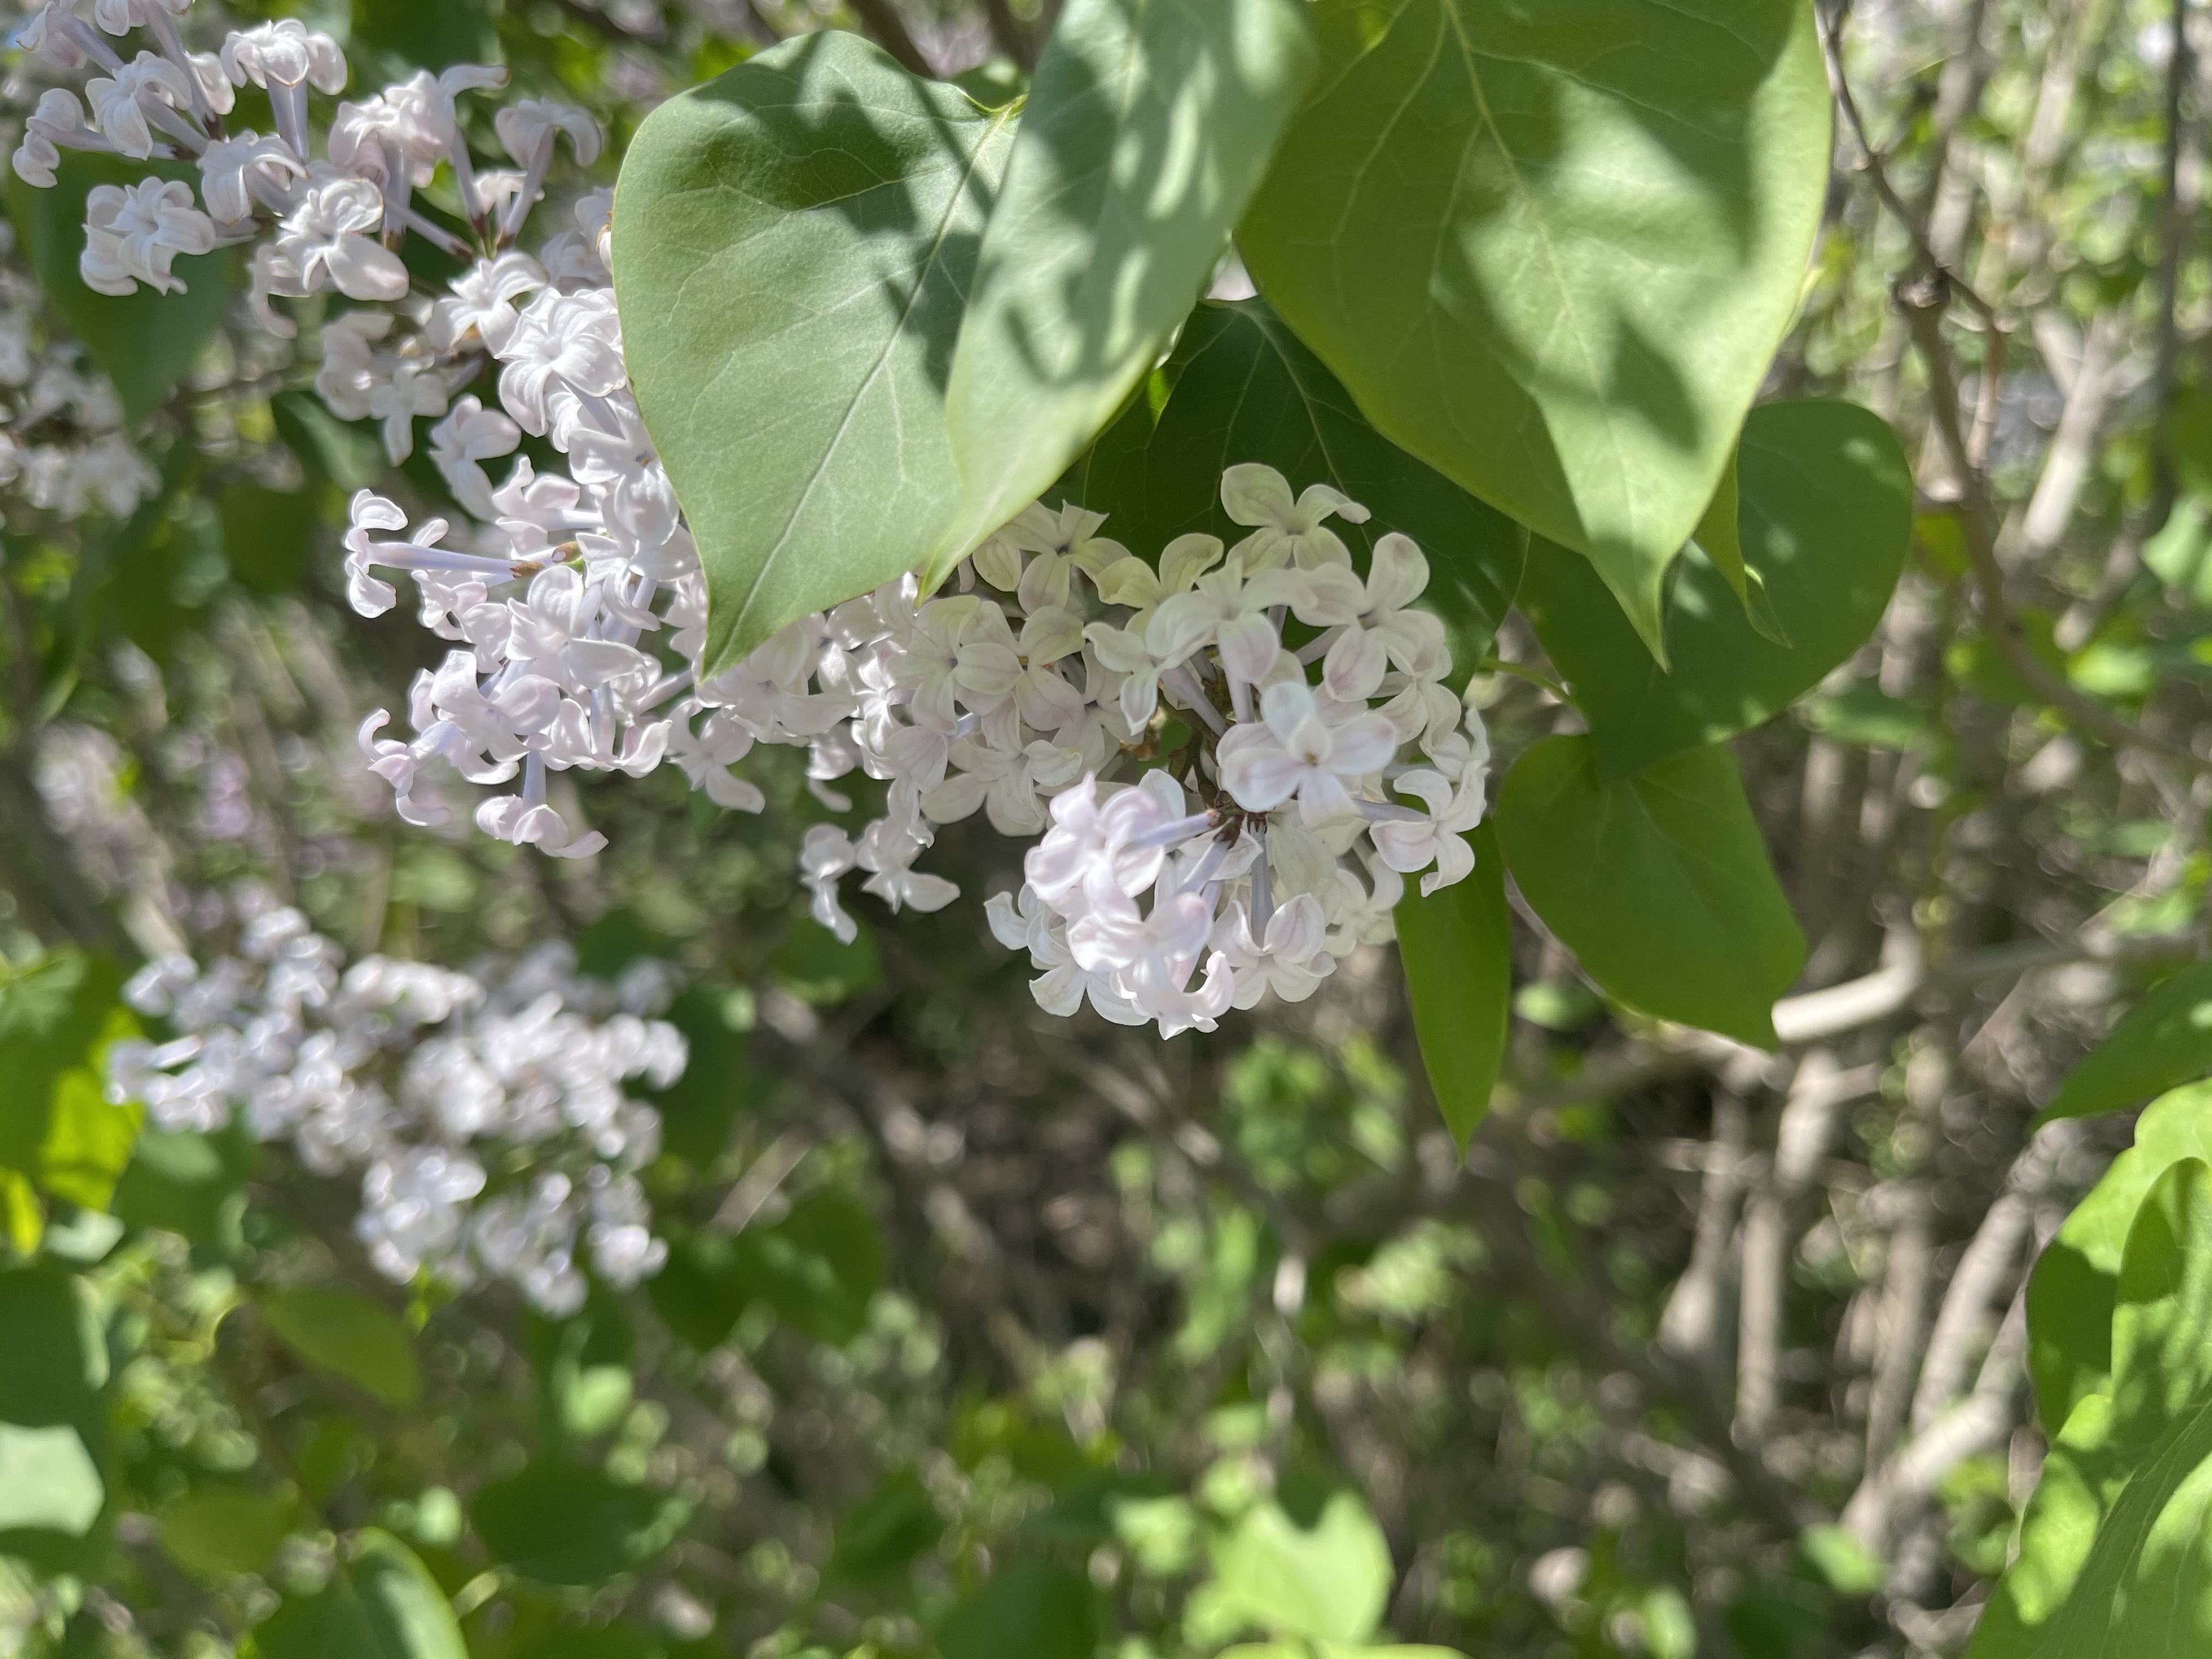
{"x": 988, "y": 1334}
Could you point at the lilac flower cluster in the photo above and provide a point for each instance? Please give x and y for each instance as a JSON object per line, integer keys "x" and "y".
{"x": 487, "y": 1113}
{"x": 1274, "y": 790}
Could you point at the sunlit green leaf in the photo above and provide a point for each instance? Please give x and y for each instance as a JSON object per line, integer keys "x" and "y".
{"x": 2072, "y": 1291}
{"x": 1551, "y": 248}
{"x": 54, "y": 1014}
{"x": 1144, "y": 138}
{"x": 48, "y": 1482}
{"x": 2115, "y": 1545}
{"x": 794, "y": 243}
{"x": 1326, "y": 1582}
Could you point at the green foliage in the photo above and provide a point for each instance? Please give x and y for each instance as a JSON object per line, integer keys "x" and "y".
{"x": 2071, "y": 1293}
{"x": 218, "y": 1530}
{"x": 56, "y": 1126}
{"x": 1826, "y": 515}
{"x": 817, "y": 967}
{"x": 189, "y": 1184}
{"x": 268, "y": 536}
{"x": 383, "y": 1604}
{"x": 348, "y": 1336}
{"x": 570, "y": 1523}
{"x": 1034, "y": 1608}
{"x": 1658, "y": 882}
{"x": 794, "y": 245}
{"x": 1239, "y": 386}
{"x": 881, "y": 1537}
{"x": 48, "y": 1482}
{"x": 429, "y": 34}
{"x": 1145, "y": 133}
{"x": 1457, "y": 948}
{"x": 817, "y": 1268}
{"x": 2113, "y": 1547}
{"x": 2165, "y": 1041}
{"x": 1327, "y": 1581}
{"x": 142, "y": 342}
{"x": 54, "y": 1365}
{"x": 697, "y": 1111}
{"x": 1550, "y": 249}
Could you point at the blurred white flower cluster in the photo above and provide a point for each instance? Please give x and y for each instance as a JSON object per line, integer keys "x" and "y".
{"x": 62, "y": 444}
{"x": 1290, "y": 781}
{"x": 489, "y": 1113}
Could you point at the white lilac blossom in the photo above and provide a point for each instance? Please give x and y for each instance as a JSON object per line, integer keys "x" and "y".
{"x": 489, "y": 1115}
{"x": 1231, "y": 757}
{"x": 132, "y": 233}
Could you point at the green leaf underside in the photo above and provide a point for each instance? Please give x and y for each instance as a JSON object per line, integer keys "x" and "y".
{"x": 1240, "y": 386}
{"x": 1457, "y": 948}
{"x": 794, "y": 244}
{"x": 2071, "y": 1292}
{"x": 383, "y": 1605}
{"x": 2115, "y": 1558}
{"x": 1825, "y": 520}
{"x": 1147, "y": 129}
{"x": 2165, "y": 1041}
{"x": 142, "y": 342}
{"x": 1551, "y": 248}
{"x": 1658, "y": 882}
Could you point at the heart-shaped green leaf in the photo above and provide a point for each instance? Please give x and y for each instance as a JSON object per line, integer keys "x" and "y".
{"x": 794, "y": 243}
{"x": 2115, "y": 1545}
{"x": 1824, "y": 519}
{"x": 2071, "y": 1293}
{"x": 1551, "y": 247}
{"x": 1144, "y": 138}
{"x": 1239, "y": 386}
{"x": 1658, "y": 882}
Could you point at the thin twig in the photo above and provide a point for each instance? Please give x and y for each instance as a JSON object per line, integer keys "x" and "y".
{"x": 1832, "y": 44}
{"x": 1923, "y": 303}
